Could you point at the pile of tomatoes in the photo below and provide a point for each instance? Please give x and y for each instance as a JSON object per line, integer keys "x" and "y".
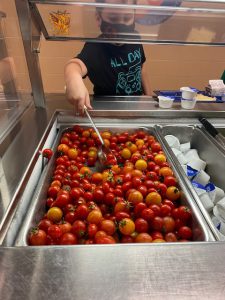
{"x": 135, "y": 199}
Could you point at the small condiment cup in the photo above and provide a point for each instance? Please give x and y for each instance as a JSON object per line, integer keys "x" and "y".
{"x": 165, "y": 102}
{"x": 188, "y": 93}
{"x": 172, "y": 141}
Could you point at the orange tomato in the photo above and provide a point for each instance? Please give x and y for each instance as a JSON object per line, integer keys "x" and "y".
{"x": 63, "y": 148}
{"x": 173, "y": 193}
{"x": 94, "y": 217}
{"x": 143, "y": 238}
{"x": 85, "y": 171}
{"x": 135, "y": 197}
{"x": 141, "y": 164}
{"x": 93, "y": 149}
{"x": 56, "y": 182}
{"x": 92, "y": 153}
{"x": 86, "y": 133}
{"x": 159, "y": 159}
{"x": 97, "y": 177}
{"x": 139, "y": 143}
{"x": 131, "y": 146}
{"x": 127, "y": 169}
{"x": 153, "y": 198}
{"x": 159, "y": 241}
{"x": 165, "y": 171}
{"x": 54, "y": 214}
{"x": 126, "y": 226}
{"x": 125, "y": 153}
{"x": 72, "y": 153}
{"x": 116, "y": 169}
{"x": 107, "y": 143}
{"x": 106, "y": 135}
{"x": 137, "y": 173}
{"x": 108, "y": 226}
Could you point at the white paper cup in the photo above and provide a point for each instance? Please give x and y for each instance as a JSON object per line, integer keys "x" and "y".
{"x": 221, "y": 208}
{"x": 188, "y": 93}
{"x": 206, "y": 201}
{"x": 182, "y": 159}
{"x": 192, "y": 154}
{"x": 218, "y": 195}
{"x": 165, "y": 102}
{"x": 172, "y": 141}
{"x": 219, "y": 224}
{"x": 202, "y": 177}
{"x": 188, "y": 103}
{"x": 197, "y": 164}
{"x": 217, "y": 213}
{"x": 185, "y": 147}
{"x": 176, "y": 151}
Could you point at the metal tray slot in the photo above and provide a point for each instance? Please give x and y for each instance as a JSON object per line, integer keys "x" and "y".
{"x": 37, "y": 207}
{"x": 207, "y": 151}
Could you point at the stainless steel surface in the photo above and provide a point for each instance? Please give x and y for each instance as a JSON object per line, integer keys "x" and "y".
{"x": 207, "y": 151}
{"x": 30, "y": 31}
{"x": 216, "y": 141}
{"x": 184, "y": 271}
{"x": 37, "y": 207}
{"x": 171, "y": 271}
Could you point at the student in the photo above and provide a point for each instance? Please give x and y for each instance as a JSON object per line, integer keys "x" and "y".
{"x": 114, "y": 69}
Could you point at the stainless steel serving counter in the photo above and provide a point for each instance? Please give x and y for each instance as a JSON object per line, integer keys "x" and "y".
{"x": 174, "y": 271}
{"x": 114, "y": 272}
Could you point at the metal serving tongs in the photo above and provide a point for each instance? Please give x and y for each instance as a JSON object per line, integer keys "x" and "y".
{"x": 102, "y": 151}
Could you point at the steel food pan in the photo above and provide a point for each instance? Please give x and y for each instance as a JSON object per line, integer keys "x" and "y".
{"x": 207, "y": 151}
{"x": 37, "y": 208}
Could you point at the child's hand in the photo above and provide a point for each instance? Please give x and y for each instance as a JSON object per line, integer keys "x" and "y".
{"x": 77, "y": 95}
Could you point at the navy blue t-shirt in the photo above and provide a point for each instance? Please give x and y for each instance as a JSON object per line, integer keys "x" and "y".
{"x": 114, "y": 70}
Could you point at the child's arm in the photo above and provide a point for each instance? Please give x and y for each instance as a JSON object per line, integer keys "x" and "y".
{"x": 76, "y": 90}
{"x": 145, "y": 80}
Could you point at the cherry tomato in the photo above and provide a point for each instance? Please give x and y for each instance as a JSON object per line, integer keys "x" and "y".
{"x": 126, "y": 226}
{"x": 173, "y": 193}
{"x": 166, "y": 210}
{"x": 53, "y": 191}
{"x": 65, "y": 227}
{"x": 184, "y": 213}
{"x": 54, "y": 214}
{"x": 68, "y": 239}
{"x": 94, "y": 217}
{"x": 92, "y": 230}
{"x": 143, "y": 238}
{"x": 170, "y": 181}
{"x": 185, "y": 232}
{"x": 135, "y": 197}
{"x": 170, "y": 237}
{"x": 108, "y": 226}
{"x": 147, "y": 214}
{"x": 153, "y": 198}
{"x": 141, "y": 225}
{"x": 37, "y": 237}
{"x": 47, "y": 153}
{"x": 54, "y": 231}
{"x": 78, "y": 228}
{"x": 168, "y": 224}
{"x": 44, "y": 224}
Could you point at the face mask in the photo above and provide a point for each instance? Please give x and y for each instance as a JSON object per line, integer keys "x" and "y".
{"x": 116, "y": 30}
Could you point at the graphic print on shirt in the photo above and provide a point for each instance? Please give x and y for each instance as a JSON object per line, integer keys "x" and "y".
{"x": 130, "y": 82}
